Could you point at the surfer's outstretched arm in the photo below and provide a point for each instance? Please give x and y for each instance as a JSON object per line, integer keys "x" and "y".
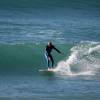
{"x": 57, "y": 50}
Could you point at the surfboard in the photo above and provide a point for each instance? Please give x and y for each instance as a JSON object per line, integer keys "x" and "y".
{"x": 46, "y": 70}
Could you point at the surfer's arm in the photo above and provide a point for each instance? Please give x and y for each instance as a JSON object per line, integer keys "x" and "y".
{"x": 57, "y": 50}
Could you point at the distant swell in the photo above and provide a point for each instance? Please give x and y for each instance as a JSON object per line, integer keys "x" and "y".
{"x": 48, "y": 3}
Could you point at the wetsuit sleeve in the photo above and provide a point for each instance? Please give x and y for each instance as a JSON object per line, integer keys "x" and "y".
{"x": 56, "y": 49}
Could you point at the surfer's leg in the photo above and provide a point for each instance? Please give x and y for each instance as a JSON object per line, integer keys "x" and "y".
{"x": 52, "y": 60}
{"x": 47, "y": 60}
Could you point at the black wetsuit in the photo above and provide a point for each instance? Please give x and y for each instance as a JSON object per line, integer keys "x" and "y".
{"x": 48, "y": 54}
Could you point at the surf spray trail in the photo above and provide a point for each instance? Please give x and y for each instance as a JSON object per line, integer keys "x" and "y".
{"x": 84, "y": 60}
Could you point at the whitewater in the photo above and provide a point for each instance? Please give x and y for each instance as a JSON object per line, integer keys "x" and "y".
{"x": 82, "y": 61}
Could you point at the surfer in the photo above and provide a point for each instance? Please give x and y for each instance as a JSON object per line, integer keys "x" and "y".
{"x": 48, "y": 55}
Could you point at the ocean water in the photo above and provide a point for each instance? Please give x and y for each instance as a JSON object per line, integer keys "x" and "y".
{"x": 26, "y": 26}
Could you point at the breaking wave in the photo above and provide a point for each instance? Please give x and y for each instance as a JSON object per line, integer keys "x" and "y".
{"x": 84, "y": 60}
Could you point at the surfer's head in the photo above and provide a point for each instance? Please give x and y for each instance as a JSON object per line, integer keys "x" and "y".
{"x": 49, "y": 43}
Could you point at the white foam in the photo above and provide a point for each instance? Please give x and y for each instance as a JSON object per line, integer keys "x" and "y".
{"x": 97, "y": 48}
{"x": 81, "y": 60}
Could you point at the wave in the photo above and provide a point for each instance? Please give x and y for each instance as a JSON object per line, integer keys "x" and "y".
{"x": 25, "y": 57}
{"x": 80, "y": 59}
{"x": 20, "y": 57}
{"x": 84, "y": 60}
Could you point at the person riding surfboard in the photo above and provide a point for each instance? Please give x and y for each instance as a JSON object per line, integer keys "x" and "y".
{"x": 48, "y": 55}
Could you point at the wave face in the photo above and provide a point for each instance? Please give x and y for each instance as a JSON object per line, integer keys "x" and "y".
{"x": 20, "y": 58}
{"x": 25, "y": 58}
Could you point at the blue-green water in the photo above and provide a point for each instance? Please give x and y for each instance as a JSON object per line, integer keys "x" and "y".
{"x": 26, "y": 26}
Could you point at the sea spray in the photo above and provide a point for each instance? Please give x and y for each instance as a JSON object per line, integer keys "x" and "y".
{"x": 64, "y": 66}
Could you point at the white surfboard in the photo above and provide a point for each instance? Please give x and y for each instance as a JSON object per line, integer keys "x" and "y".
{"x": 47, "y": 70}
